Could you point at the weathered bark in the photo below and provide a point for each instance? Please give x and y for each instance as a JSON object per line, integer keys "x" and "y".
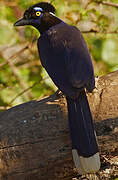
{"x": 35, "y": 142}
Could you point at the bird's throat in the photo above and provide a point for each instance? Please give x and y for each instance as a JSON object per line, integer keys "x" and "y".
{"x": 47, "y": 21}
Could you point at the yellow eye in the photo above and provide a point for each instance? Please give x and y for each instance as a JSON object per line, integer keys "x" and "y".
{"x": 38, "y": 13}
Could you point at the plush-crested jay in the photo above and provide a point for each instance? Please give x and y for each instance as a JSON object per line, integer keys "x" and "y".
{"x": 65, "y": 56}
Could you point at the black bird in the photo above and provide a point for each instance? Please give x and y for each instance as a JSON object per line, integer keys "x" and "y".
{"x": 65, "y": 56}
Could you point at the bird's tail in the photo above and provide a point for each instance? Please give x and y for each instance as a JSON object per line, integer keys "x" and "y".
{"x": 84, "y": 144}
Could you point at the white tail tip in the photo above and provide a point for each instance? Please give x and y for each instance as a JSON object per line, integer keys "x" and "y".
{"x": 86, "y": 165}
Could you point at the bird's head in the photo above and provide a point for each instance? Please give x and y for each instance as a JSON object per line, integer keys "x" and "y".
{"x": 40, "y": 15}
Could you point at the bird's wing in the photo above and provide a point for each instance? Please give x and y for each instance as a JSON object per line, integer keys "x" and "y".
{"x": 78, "y": 62}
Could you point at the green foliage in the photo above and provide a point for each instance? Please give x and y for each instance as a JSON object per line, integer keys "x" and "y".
{"x": 22, "y": 77}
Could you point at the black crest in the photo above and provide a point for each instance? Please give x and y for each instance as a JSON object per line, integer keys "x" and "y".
{"x": 47, "y": 7}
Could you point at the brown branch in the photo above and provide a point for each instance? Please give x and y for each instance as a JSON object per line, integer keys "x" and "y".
{"x": 109, "y": 4}
{"x": 26, "y": 90}
{"x": 100, "y": 32}
{"x": 87, "y": 4}
{"x": 106, "y": 3}
{"x": 9, "y": 3}
{"x": 21, "y": 93}
{"x": 14, "y": 55}
{"x": 19, "y": 52}
{"x": 102, "y": 2}
{"x": 15, "y": 72}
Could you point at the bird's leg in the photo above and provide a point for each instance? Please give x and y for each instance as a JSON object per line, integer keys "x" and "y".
{"x": 58, "y": 93}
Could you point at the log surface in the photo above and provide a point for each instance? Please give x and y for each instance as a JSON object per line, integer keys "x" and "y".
{"x": 35, "y": 141}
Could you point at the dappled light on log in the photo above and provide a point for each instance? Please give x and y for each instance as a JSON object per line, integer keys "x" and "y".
{"x": 35, "y": 141}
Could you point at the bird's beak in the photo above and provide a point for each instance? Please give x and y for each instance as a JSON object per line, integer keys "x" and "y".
{"x": 22, "y": 22}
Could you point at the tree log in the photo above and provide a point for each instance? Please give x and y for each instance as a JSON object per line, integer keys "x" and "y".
{"x": 35, "y": 142}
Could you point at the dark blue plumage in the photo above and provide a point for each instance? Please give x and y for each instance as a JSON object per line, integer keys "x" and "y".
{"x": 65, "y": 56}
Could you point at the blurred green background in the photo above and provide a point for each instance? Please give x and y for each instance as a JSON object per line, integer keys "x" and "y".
{"x": 22, "y": 77}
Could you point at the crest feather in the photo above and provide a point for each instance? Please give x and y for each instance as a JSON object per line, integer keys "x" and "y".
{"x": 47, "y": 7}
